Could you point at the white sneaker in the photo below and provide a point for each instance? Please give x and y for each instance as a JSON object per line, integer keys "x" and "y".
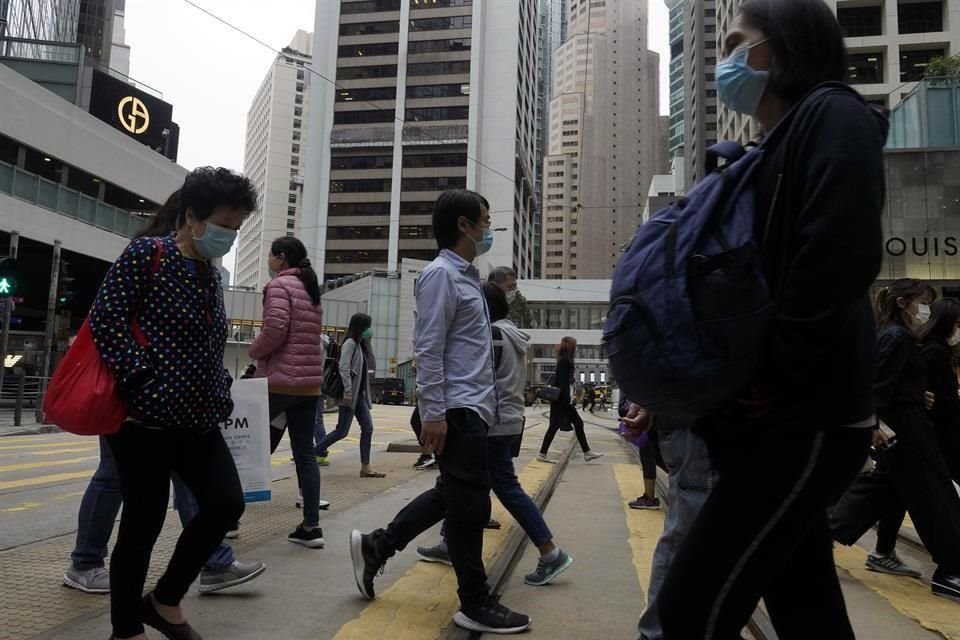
{"x": 543, "y": 458}
{"x": 323, "y": 503}
{"x": 591, "y": 455}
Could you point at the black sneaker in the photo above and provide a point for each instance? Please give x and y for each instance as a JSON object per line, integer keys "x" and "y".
{"x": 368, "y": 560}
{"x": 891, "y": 564}
{"x": 945, "y": 586}
{"x": 312, "y": 539}
{"x": 492, "y": 617}
{"x": 425, "y": 461}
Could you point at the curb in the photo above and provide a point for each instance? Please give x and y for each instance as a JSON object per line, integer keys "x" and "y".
{"x": 31, "y": 431}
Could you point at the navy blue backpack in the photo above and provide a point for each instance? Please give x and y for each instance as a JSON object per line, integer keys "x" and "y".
{"x": 690, "y": 310}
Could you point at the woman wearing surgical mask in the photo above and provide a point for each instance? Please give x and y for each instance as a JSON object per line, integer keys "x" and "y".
{"x": 799, "y": 434}
{"x": 911, "y": 472}
{"x": 289, "y": 354}
{"x": 941, "y": 343}
{"x": 169, "y": 367}
{"x": 357, "y": 364}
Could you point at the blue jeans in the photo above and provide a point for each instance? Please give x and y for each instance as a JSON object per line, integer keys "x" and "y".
{"x": 691, "y": 478}
{"x": 301, "y": 417}
{"x": 319, "y": 432}
{"x": 101, "y": 504}
{"x": 503, "y": 480}
{"x": 343, "y": 428}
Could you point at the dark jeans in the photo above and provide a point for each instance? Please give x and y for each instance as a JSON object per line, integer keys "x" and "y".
{"x": 564, "y": 414}
{"x": 301, "y": 414}
{"x": 462, "y": 496}
{"x": 146, "y": 459}
{"x": 344, "y": 422}
{"x": 319, "y": 431}
{"x": 911, "y": 473}
{"x": 506, "y": 486}
{"x": 101, "y": 504}
{"x": 773, "y": 546}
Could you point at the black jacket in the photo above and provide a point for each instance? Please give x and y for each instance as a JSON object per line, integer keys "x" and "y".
{"x": 563, "y": 379}
{"x": 942, "y": 381}
{"x": 901, "y": 375}
{"x": 821, "y": 254}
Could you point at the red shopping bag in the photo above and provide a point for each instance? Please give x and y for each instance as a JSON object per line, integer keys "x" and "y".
{"x": 82, "y": 397}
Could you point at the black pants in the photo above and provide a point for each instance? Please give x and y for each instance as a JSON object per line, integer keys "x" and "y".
{"x": 763, "y": 533}
{"x": 561, "y": 415}
{"x": 911, "y": 473}
{"x": 462, "y": 496}
{"x": 146, "y": 459}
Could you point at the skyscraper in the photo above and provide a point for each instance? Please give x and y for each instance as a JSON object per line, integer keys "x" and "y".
{"x": 86, "y": 22}
{"x": 276, "y": 128}
{"x": 889, "y": 43}
{"x": 700, "y": 86}
{"x": 607, "y": 139}
{"x": 429, "y": 96}
{"x": 677, "y": 10}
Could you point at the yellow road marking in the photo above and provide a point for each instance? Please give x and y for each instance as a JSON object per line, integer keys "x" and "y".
{"x": 4, "y": 447}
{"x": 420, "y": 604}
{"x": 56, "y": 477}
{"x": 645, "y": 526}
{"x": 50, "y": 463}
{"x": 19, "y": 439}
{"x": 912, "y": 598}
{"x": 23, "y": 506}
{"x": 53, "y": 452}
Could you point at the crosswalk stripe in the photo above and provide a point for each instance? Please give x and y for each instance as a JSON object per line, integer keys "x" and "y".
{"x": 50, "y": 479}
{"x": 422, "y": 602}
{"x": 645, "y": 526}
{"x": 49, "y": 463}
{"x": 910, "y": 597}
{"x": 48, "y": 445}
{"x": 52, "y": 452}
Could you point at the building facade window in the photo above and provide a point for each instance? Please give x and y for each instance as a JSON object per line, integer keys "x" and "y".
{"x": 437, "y": 4}
{"x": 913, "y": 63}
{"x": 860, "y": 22}
{"x": 371, "y": 71}
{"x": 366, "y": 185}
{"x": 865, "y": 68}
{"x": 345, "y": 163}
{"x": 369, "y": 6}
{"x": 433, "y": 184}
{"x": 438, "y": 91}
{"x": 357, "y": 256}
{"x": 439, "y": 46}
{"x": 363, "y": 117}
{"x": 920, "y": 17}
{"x": 373, "y": 49}
{"x": 438, "y": 113}
{"x": 437, "y": 24}
{"x": 418, "y": 160}
{"x": 438, "y": 68}
{"x": 359, "y": 209}
{"x": 372, "y": 93}
{"x": 368, "y": 28}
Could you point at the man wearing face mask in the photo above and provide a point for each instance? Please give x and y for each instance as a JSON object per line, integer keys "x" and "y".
{"x": 168, "y": 365}
{"x": 506, "y": 279}
{"x": 458, "y": 401}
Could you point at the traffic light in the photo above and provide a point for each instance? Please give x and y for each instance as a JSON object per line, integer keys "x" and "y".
{"x": 64, "y": 285}
{"x": 8, "y": 277}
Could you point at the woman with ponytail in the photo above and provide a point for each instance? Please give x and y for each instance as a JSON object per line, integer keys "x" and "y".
{"x": 289, "y": 354}
{"x": 911, "y": 474}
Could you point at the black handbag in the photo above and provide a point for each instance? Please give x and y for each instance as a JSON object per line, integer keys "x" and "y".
{"x": 332, "y": 382}
{"x": 550, "y": 393}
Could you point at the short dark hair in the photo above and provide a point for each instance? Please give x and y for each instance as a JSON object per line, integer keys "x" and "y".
{"x": 806, "y": 41}
{"x": 496, "y": 301}
{"x": 450, "y": 207}
{"x": 207, "y": 188}
{"x": 945, "y": 313}
{"x": 498, "y": 275}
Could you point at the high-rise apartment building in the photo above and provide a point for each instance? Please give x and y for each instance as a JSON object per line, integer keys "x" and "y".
{"x": 607, "y": 139}
{"x": 429, "y": 96}
{"x": 274, "y": 158}
{"x": 677, "y": 9}
{"x": 890, "y": 43}
{"x": 553, "y": 31}
{"x": 700, "y": 86}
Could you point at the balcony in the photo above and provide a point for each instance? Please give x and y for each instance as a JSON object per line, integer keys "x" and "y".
{"x": 67, "y": 202}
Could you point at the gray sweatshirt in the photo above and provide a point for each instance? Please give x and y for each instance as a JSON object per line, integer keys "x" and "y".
{"x": 511, "y": 378}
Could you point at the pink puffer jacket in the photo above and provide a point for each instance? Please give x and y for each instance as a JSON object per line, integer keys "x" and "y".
{"x": 288, "y": 350}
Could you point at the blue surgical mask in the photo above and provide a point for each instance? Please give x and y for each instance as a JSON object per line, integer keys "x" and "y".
{"x": 367, "y": 334}
{"x": 486, "y": 242}
{"x": 739, "y": 86}
{"x": 215, "y": 242}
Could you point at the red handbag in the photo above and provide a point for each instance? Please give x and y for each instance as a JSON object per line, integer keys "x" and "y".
{"x": 82, "y": 397}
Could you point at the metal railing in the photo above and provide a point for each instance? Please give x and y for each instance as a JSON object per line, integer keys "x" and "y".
{"x": 40, "y": 50}
{"x": 37, "y": 190}
{"x": 21, "y": 392}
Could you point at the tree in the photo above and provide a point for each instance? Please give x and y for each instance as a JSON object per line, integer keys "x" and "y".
{"x": 943, "y": 67}
{"x": 519, "y": 313}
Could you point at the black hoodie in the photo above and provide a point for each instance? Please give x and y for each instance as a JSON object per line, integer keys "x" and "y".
{"x": 823, "y": 252}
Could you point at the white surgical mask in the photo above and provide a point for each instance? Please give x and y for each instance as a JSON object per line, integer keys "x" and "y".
{"x": 511, "y": 296}
{"x": 922, "y": 317}
{"x": 954, "y": 340}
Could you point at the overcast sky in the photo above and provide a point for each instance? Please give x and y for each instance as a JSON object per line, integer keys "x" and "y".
{"x": 210, "y": 73}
